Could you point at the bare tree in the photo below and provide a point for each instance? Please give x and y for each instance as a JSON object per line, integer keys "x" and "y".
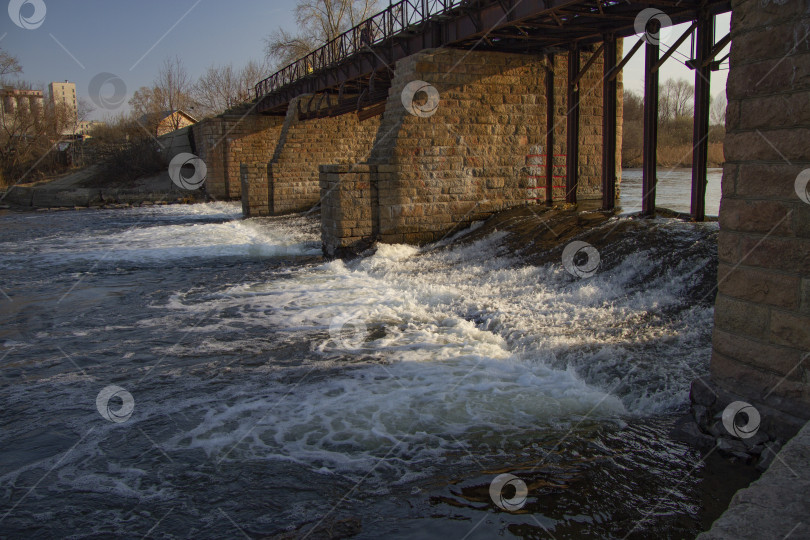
{"x": 319, "y": 21}
{"x": 173, "y": 86}
{"x": 675, "y": 99}
{"x": 633, "y": 106}
{"x": 83, "y": 110}
{"x": 718, "y": 109}
{"x": 170, "y": 91}
{"x": 251, "y": 74}
{"x": 148, "y": 106}
{"x": 223, "y": 87}
{"x": 9, "y": 65}
{"x": 143, "y": 101}
{"x": 27, "y": 133}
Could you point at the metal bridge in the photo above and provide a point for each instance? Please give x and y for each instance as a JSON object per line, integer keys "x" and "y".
{"x": 354, "y": 70}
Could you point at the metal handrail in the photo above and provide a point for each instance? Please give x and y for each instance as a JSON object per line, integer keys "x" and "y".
{"x": 396, "y": 19}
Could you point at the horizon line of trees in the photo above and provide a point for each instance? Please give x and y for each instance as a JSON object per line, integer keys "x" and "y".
{"x": 675, "y": 125}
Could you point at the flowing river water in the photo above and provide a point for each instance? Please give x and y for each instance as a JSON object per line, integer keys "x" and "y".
{"x": 279, "y": 395}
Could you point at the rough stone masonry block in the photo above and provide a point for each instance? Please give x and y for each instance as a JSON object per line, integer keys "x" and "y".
{"x": 305, "y": 144}
{"x": 473, "y": 150}
{"x": 754, "y": 215}
{"x": 768, "y": 145}
{"x": 762, "y": 320}
{"x": 759, "y": 286}
{"x": 763, "y": 355}
{"x": 740, "y": 317}
{"x": 226, "y": 141}
{"x": 347, "y": 195}
{"x": 788, "y": 255}
{"x": 768, "y": 180}
{"x": 791, "y": 330}
{"x": 254, "y": 190}
{"x": 805, "y": 296}
{"x": 778, "y": 110}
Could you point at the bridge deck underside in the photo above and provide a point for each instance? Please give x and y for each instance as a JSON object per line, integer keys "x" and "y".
{"x": 515, "y": 26}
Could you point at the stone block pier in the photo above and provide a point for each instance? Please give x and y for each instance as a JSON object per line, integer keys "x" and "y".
{"x": 761, "y": 339}
{"x": 403, "y": 175}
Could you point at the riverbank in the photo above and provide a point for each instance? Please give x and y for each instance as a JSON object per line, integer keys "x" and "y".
{"x": 677, "y": 156}
{"x": 77, "y": 190}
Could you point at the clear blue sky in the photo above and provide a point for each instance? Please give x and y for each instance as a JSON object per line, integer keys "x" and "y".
{"x": 81, "y": 38}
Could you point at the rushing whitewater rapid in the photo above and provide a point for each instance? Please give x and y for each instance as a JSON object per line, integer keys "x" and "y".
{"x": 280, "y": 395}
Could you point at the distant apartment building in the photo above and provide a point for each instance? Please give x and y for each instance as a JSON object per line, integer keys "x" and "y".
{"x": 64, "y": 94}
{"x": 13, "y": 100}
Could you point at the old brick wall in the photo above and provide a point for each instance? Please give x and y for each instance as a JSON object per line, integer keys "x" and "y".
{"x": 224, "y": 142}
{"x": 470, "y": 158}
{"x": 762, "y": 314}
{"x": 306, "y": 144}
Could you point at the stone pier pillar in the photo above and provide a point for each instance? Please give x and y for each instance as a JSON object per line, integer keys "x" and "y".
{"x": 761, "y": 341}
{"x": 348, "y": 207}
{"x": 254, "y": 187}
{"x": 464, "y": 135}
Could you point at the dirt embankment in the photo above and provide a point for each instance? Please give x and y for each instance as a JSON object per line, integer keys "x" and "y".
{"x": 81, "y": 189}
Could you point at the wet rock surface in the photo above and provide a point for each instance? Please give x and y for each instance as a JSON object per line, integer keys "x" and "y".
{"x": 776, "y": 505}
{"x": 705, "y": 429}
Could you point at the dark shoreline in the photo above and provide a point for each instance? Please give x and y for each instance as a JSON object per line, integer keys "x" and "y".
{"x": 40, "y": 198}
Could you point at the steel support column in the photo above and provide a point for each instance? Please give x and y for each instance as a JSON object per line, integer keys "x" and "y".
{"x": 700, "y": 137}
{"x": 609, "y": 95}
{"x": 649, "y": 175}
{"x": 550, "y": 117}
{"x": 572, "y": 149}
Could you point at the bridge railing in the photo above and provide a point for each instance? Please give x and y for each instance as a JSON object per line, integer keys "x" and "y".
{"x": 398, "y": 18}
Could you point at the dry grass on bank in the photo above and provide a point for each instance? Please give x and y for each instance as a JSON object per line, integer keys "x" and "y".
{"x": 674, "y": 156}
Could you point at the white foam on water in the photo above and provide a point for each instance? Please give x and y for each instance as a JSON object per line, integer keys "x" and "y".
{"x": 414, "y": 413}
{"x": 156, "y": 241}
{"x": 218, "y": 210}
{"x": 455, "y": 344}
